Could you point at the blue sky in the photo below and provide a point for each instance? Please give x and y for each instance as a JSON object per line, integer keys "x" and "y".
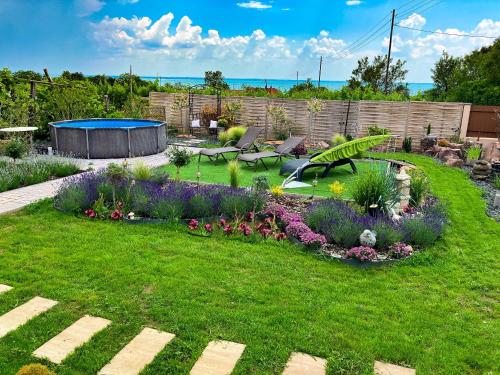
{"x": 243, "y": 38}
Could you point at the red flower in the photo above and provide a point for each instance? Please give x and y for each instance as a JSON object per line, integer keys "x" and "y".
{"x": 250, "y": 216}
{"x": 280, "y": 236}
{"x": 90, "y": 213}
{"x": 222, "y": 223}
{"x": 228, "y": 229}
{"x": 116, "y": 215}
{"x": 265, "y": 232}
{"x": 208, "y": 228}
{"x": 193, "y": 224}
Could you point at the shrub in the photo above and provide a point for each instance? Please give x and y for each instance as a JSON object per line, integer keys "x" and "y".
{"x": 419, "y": 188}
{"x": 233, "y": 168}
{"x": 72, "y": 200}
{"x": 424, "y": 230}
{"x": 236, "y": 205}
{"x": 338, "y": 139}
{"x": 168, "y": 209}
{"x": 299, "y": 150}
{"x": 140, "y": 171}
{"x": 362, "y": 253}
{"x": 208, "y": 113}
{"x": 407, "y": 144}
{"x": 376, "y": 130}
{"x": 260, "y": 183}
{"x": 179, "y": 157}
{"x": 400, "y": 250}
{"x": 200, "y": 206}
{"x": 375, "y": 187}
{"x": 232, "y": 135}
{"x": 35, "y": 369}
{"x": 387, "y": 235}
{"x": 16, "y": 148}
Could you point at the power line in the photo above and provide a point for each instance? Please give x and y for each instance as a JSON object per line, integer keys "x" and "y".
{"x": 419, "y": 8}
{"x": 445, "y": 33}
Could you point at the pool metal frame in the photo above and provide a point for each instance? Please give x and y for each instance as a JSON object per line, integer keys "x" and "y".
{"x": 107, "y": 143}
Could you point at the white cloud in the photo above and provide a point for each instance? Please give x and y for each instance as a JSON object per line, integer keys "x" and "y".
{"x": 323, "y": 45}
{"x": 88, "y": 7}
{"x": 352, "y": 2}
{"x": 432, "y": 45}
{"x": 414, "y": 20}
{"x": 254, "y": 5}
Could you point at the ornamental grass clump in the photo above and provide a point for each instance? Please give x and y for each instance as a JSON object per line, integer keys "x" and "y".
{"x": 419, "y": 188}
{"x": 35, "y": 369}
{"x": 233, "y": 167}
{"x": 376, "y": 188}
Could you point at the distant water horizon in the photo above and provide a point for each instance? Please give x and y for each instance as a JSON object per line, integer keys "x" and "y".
{"x": 281, "y": 84}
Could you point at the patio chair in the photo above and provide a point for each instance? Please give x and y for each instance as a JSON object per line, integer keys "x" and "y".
{"x": 252, "y": 159}
{"x": 334, "y": 157}
{"x": 195, "y": 125}
{"x": 244, "y": 144}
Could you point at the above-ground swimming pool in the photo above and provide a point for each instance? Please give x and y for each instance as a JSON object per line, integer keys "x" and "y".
{"x": 108, "y": 138}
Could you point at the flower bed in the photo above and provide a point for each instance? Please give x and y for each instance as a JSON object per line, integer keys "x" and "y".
{"x": 335, "y": 228}
{"x": 16, "y": 174}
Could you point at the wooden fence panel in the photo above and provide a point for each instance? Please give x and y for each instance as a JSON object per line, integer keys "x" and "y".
{"x": 401, "y": 118}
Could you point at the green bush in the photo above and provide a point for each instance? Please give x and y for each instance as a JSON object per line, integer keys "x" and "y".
{"x": 338, "y": 139}
{"x": 72, "y": 199}
{"x": 473, "y": 153}
{"x": 496, "y": 182}
{"x": 16, "y": 148}
{"x": 236, "y": 205}
{"x": 387, "y": 235}
{"x": 168, "y": 209}
{"x": 179, "y": 157}
{"x": 419, "y": 233}
{"x": 376, "y": 130}
{"x": 375, "y": 187}
{"x": 232, "y": 135}
{"x": 200, "y": 206}
{"x": 261, "y": 183}
{"x": 407, "y": 144}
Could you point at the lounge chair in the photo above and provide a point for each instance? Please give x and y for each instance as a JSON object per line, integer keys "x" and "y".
{"x": 334, "y": 157}
{"x": 284, "y": 149}
{"x": 245, "y": 143}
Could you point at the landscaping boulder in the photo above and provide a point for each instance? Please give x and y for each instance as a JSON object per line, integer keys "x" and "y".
{"x": 481, "y": 170}
{"x": 428, "y": 142}
{"x": 458, "y": 163}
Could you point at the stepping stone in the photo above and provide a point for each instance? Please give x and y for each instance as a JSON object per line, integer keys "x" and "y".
{"x": 23, "y": 313}
{"x": 382, "y": 368}
{"x": 4, "y": 288}
{"x": 218, "y": 358}
{"x": 305, "y": 364}
{"x": 138, "y": 353}
{"x": 65, "y": 343}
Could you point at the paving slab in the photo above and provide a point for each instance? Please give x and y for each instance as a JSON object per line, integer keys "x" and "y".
{"x": 138, "y": 353}
{"x": 218, "y": 358}
{"x": 4, "y": 288}
{"x": 66, "y": 342}
{"x": 23, "y": 313}
{"x": 305, "y": 364}
{"x": 382, "y": 368}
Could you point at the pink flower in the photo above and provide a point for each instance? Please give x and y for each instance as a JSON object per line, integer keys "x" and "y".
{"x": 90, "y": 213}
{"x": 193, "y": 224}
{"x": 228, "y": 229}
{"x": 250, "y": 216}
{"x": 222, "y": 223}
{"x": 362, "y": 253}
{"x": 208, "y": 228}
{"x": 245, "y": 229}
{"x": 116, "y": 215}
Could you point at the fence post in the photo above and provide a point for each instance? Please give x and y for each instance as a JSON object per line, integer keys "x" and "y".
{"x": 465, "y": 121}
{"x": 408, "y": 109}
{"x": 265, "y": 120}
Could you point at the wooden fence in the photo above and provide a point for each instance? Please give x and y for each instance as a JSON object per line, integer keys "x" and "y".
{"x": 403, "y": 119}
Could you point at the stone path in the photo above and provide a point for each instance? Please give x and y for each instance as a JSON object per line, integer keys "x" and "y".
{"x": 218, "y": 358}
{"x": 65, "y": 343}
{"x": 382, "y": 368}
{"x": 4, "y": 288}
{"x": 301, "y": 364}
{"x": 138, "y": 353}
{"x": 22, "y": 314}
{"x": 14, "y": 200}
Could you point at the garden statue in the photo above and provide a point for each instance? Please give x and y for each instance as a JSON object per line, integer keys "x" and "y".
{"x": 403, "y": 184}
{"x": 368, "y": 238}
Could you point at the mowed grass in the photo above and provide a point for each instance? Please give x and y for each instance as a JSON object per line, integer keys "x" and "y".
{"x": 437, "y": 312}
{"x": 216, "y": 172}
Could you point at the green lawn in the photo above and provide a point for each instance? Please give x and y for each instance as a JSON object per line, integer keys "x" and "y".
{"x": 216, "y": 172}
{"x": 437, "y": 312}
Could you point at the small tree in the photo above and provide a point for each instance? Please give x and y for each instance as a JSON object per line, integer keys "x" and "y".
{"x": 215, "y": 80}
{"x": 16, "y": 148}
{"x": 181, "y": 102}
{"x": 444, "y": 72}
{"x": 180, "y": 157}
{"x": 281, "y": 121}
{"x": 314, "y": 106}
{"x": 373, "y": 75}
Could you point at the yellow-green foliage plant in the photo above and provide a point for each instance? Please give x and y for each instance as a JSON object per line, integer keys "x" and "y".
{"x": 35, "y": 369}
{"x": 233, "y": 168}
{"x": 141, "y": 171}
{"x": 232, "y": 135}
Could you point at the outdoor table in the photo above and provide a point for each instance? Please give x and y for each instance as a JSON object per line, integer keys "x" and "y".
{"x": 21, "y": 129}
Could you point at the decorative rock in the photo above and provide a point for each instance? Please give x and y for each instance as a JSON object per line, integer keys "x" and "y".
{"x": 481, "y": 170}
{"x": 428, "y": 142}
{"x": 368, "y": 238}
{"x": 323, "y": 145}
{"x": 496, "y": 202}
{"x": 459, "y": 163}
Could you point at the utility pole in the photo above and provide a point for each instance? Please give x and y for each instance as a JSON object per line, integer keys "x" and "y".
{"x": 319, "y": 77}
{"x": 130, "y": 79}
{"x": 389, "y": 53}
